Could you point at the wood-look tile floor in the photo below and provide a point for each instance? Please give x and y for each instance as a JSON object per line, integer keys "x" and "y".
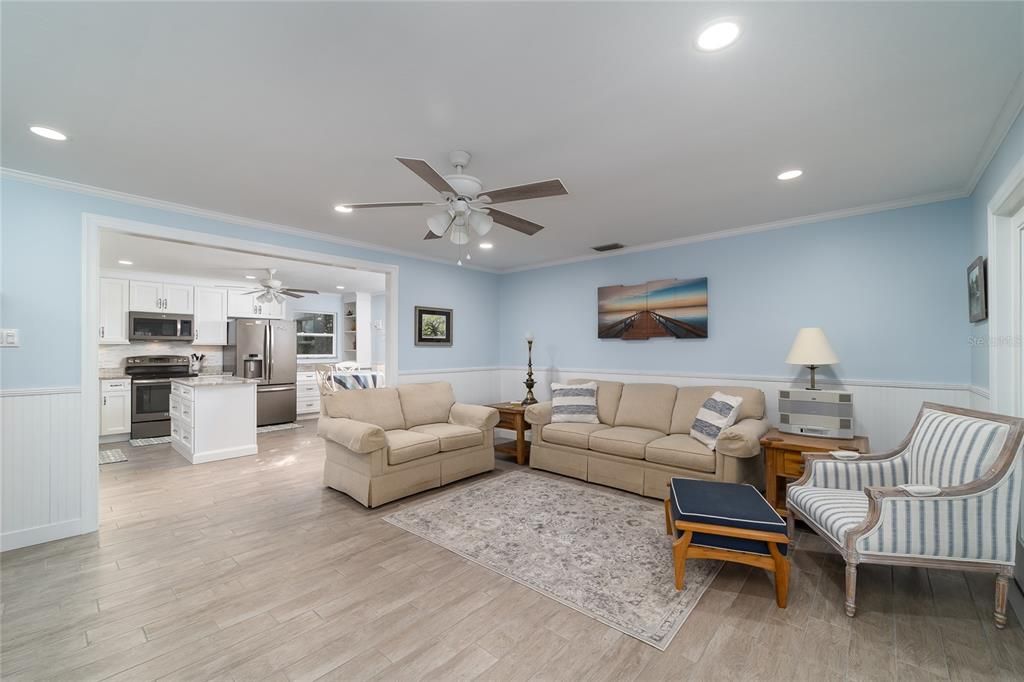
{"x": 250, "y": 569}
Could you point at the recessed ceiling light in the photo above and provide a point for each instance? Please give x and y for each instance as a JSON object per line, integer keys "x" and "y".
{"x": 342, "y": 208}
{"x": 790, "y": 174}
{"x": 250, "y": 276}
{"x": 486, "y": 245}
{"x": 339, "y": 287}
{"x": 49, "y": 133}
{"x": 718, "y": 35}
{"x": 125, "y": 262}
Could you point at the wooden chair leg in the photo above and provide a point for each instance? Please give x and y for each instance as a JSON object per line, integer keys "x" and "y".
{"x": 679, "y": 548}
{"x": 668, "y": 516}
{"x": 781, "y": 575}
{"x": 851, "y": 590}
{"x": 1002, "y": 583}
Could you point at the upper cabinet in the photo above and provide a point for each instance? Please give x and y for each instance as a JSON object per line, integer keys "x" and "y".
{"x": 113, "y": 311}
{"x": 243, "y": 304}
{"x": 211, "y": 316}
{"x": 161, "y": 297}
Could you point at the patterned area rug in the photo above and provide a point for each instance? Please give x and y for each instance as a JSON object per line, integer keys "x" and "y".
{"x": 603, "y": 554}
{"x": 160, "y": 440}
{"x": 113, "y": 455}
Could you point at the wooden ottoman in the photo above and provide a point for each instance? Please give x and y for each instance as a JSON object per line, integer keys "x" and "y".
{"x": 728, "y": 522}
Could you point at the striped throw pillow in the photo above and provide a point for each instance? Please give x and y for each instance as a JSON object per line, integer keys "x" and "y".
{"x": 717, "y": 413}
{"x": 574, "y": 403}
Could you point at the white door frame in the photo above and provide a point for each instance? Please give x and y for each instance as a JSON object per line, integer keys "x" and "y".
{"x": 1004, "y": 296}
{"x": 92, "y": 224}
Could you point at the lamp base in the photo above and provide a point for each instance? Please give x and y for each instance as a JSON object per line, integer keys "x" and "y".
{"x": 812, "y": 368}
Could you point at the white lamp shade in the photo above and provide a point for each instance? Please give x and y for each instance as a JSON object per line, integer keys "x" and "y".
{"x": 811, "y": 347}
{"x": 438, "y": 223}
{"x": 481, "y": 222}
{"x": 459, "y": 236}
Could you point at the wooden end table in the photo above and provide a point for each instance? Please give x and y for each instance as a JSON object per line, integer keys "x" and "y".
{"x": 513, "y": 417}
{"x": 784, "y": 459}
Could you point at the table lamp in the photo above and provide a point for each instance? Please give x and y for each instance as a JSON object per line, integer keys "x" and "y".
{"x": 529, "y": 383}
{"x": 811, "y": 349}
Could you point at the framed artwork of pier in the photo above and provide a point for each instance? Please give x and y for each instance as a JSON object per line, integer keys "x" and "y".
{"x": 672, "y": 308}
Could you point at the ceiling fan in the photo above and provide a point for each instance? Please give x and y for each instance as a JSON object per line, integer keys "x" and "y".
{"x": 273, "y": 291}
{"x": 467, "y": 205}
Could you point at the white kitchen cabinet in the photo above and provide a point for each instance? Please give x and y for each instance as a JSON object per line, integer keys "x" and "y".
{"x": 115, "y": 406}
{"x": 213, "y": 418}
{"x": 113, "y": 311}
{"x": 307, "y": 395}
{"x": 242, "y": 304}
{"x": 160, "y": 297}
{"x": 211, "y": 316}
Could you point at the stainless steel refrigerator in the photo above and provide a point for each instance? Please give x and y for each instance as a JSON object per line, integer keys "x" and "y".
{"x": 265, "y": 350}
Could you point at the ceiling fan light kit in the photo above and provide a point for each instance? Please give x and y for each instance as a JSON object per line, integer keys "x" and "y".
{"x": 467, "y": 203}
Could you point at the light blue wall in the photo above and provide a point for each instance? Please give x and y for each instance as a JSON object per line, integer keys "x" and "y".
{"x": 888, "y": 288}
{"x": 1009, "y": 154}
{"x": 40, "y": 275}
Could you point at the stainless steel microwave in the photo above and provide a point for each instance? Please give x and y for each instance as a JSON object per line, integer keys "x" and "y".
{"x": 160, "y": 327}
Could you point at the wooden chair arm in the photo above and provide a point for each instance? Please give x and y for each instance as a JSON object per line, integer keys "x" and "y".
{"x": 741, "y": 533}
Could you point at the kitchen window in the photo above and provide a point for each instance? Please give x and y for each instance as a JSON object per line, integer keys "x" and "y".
{"x": 315, "y": 334}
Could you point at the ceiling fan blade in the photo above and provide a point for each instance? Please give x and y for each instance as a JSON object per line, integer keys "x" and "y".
{"x": 254, "y": 291}
{"x": 533, "y": 190}
{"x": 515, "y": 222}
{"x": 431, "y": 235}
{"x": 427, "y": 174}
{"x": 285, "y": 290}
{"x": 288, "y": 292}
{"x": 393, "y": 204}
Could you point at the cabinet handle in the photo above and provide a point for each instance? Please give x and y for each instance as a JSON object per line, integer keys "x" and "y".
{"x": 104, "y": 400}
{"x": 102, "y": 332}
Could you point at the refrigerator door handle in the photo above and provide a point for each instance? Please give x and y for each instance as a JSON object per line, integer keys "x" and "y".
{"x": 274, "y": 389}
{"x": 266, "y": 355}
{"x": 270, "y": 362}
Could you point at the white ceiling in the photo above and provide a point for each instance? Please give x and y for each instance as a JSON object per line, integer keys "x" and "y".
{"x": 203, "y": 262}
{"x": 277, "y": 111}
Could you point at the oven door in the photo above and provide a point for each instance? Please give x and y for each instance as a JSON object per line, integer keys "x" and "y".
{"x": 151, "y": 400}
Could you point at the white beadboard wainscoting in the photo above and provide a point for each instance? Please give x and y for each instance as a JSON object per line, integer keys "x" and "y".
{"x": 882, "y": 411}
{"x": 479, "y": 385}
{"x": 41, "y": 465}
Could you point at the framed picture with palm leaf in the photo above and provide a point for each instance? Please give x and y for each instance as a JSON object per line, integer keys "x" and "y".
{"x": 433, "y": 326}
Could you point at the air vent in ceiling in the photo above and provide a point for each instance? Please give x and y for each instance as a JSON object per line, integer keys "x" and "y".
{"x": 607, "y": 247}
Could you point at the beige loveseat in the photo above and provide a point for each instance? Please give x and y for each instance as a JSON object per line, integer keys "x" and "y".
{"x": 387, "y": 443}
{"x": 643, "y": 438}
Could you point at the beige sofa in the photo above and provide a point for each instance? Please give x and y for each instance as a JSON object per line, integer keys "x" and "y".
{"x": 387, "y": 443}
{"x": 643, "y": 438}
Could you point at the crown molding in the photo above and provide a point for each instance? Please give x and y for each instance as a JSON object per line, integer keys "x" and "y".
{"x": 160, "y": 204}
{"x": 751, "y": 229}
{"x": 1009, "y": 112}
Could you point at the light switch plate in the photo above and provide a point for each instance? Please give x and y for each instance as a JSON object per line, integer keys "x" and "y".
{"x": 9, "y": 338}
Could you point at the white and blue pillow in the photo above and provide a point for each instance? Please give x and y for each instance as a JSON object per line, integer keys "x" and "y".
{"x": 716, "y": 414}
{"x": 574, "y": 403}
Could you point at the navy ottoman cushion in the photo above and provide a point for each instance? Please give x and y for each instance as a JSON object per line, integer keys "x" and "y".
{"x": 724, "y": 504}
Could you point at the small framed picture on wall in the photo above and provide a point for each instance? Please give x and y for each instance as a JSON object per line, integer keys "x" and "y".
{"x": 433, "y": 326}
{"x": 977, "y": 293}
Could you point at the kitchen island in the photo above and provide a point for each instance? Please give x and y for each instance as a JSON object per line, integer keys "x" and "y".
{"x": 213, "y": 417}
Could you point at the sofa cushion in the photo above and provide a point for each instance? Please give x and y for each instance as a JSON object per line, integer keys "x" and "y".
{"x": 379, "y": 406}
{"x": 834, "y": 511}
{"x": 608, "y": 395}
{"x": 646, "y": 406}
{"x": 574, "y": 403}
{"x": 717, "y": 413}
{"x": 426, "y": 403}
{"x": 690, "y": 399}
{"x": 679, "y": 450}
{"x": 405, "y": 446}
{"x": 573, "y": 435}
{"x": 624, "y": 441}
{"x": 452, "y": 436}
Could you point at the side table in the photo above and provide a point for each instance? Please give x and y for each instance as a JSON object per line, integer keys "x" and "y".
{"x": 784, "y": 460}
{"x": 512, "y": 416}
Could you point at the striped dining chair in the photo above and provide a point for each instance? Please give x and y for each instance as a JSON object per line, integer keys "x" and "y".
{"x": 948, "y": 497}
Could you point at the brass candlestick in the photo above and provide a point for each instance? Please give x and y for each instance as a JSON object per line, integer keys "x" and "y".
{"x": 529, "y": 383}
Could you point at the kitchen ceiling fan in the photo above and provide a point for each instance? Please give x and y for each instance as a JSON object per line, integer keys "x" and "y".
{"x": 273, "y": 291}
{"x": 467, "y": 205}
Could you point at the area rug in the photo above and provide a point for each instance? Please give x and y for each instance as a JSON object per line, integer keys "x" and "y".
{"x": 277, "y": 427}
{"x": 159, "y": 440}
{"x": 112, "y": 456}
{"x": 603, "y": 554}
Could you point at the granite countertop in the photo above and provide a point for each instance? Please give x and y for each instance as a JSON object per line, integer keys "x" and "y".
{"x": 213, "y": 380}
{"x": 107, "y": 374}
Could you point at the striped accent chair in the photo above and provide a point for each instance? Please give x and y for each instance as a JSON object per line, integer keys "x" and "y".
{"x": 947, "y": 497}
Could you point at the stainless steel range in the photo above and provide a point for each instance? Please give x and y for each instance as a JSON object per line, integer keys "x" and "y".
{"x": 151, "y": 391}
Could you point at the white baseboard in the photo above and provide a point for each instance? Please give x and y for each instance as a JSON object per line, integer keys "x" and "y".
{"x": 16, "y": 539}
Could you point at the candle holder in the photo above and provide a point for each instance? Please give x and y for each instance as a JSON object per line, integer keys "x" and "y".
{"x": 529, "y": 383}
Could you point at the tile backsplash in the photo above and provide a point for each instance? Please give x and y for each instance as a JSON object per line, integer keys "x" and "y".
{"x": 112, "y": 357}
